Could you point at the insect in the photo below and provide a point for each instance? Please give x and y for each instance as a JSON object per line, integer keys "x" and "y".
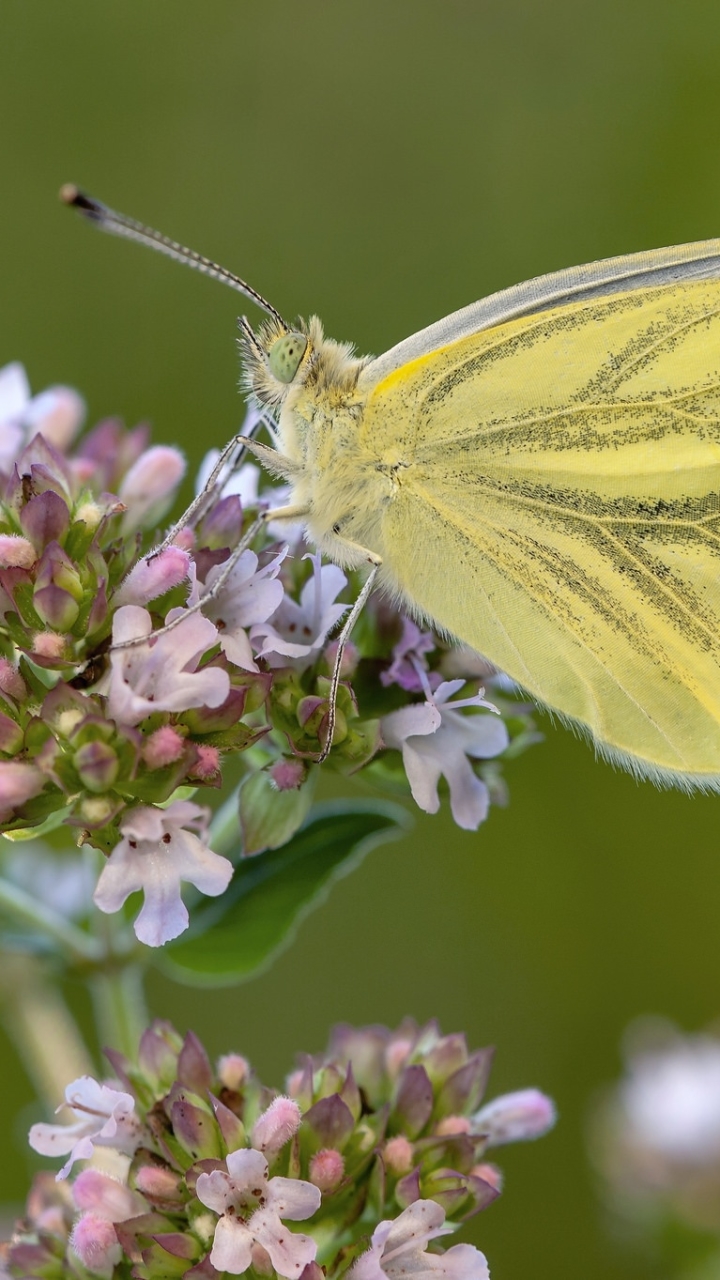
{"x": 536, "y": 475}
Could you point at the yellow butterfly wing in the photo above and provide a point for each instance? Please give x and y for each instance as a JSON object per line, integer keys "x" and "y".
{"x": 557, "y": 508}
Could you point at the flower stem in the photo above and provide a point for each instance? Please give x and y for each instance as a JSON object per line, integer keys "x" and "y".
{"x": 119, "y": 1004}
{"x": 41, "y": 1026}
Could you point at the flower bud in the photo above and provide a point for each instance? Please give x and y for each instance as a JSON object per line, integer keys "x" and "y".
{"x": 11, "y": 735}
{"x": 163, "y": 747}
{"x": 96, "y": 1244}
{"x": 98, "y": 1192}
{"x": 288, "y": 775}
{"x": 149, "y": 486}
{"x": 16, "y": 552}
{"x": 233, "y": 1070}
{"x": 326, "y": 1169}
{"x": 515, "y": 1117}
{"x": 153, "y": 576}
{"x": 207, "y": 765}
{"x": 97, "y": 765}
{"x": 11, "y": 682}
{"x": 56, "y": 607}
{"x": 275, "y": 1126}
{"x": 398, "y": 1154}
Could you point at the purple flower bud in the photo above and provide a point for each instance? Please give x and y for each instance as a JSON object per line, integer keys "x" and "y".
{"x": 223, "y": 526}
{"x": 56, "y": 607}
{"x": 414, "y": 1101}
{"x": 97, "y": 765}
{"x": 45, "y": 519}
{"x": 56, "y": 568}
{"x": 193, "y": 1068}
{"x": 11, "y": 682}
{"x": 331, "y": 1121}
{"x": 515, "y": 1117}
{"x": 195, "y": 1130}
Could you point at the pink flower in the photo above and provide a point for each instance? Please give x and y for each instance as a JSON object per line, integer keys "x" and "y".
{"x": 437, "y": 740}
{"x": 398, "y": 1250}
{"x": 105, "y": 1118}
{"x": 407, "y": 656}
{"x": 515, "y": 1117}
{"x": 155, "y": 854}
{"x": 298, "y": 632}
{"x": 162, "y": 675}
{"x": 250, "y": 596}
{"x": 252, "y": 1208}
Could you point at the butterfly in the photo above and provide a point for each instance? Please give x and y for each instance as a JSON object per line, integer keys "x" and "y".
{"x": 537, "y": 476}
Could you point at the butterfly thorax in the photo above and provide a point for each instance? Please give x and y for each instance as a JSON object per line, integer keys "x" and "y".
{"x": 333, "y": 475}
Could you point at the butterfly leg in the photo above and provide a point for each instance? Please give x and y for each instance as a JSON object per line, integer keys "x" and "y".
{"x": 280, "y": 513}
{"x": 375, "y": 563}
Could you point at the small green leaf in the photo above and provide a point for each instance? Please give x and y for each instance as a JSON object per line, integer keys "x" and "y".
{"x": 230, "y": 939}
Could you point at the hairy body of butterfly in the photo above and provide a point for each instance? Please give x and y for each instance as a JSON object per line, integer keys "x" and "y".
{"x": 540, "y": 477}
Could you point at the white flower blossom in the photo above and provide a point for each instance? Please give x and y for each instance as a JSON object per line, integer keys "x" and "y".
{"x": 671, "y": 1099}
{"x": 252, "y": 1208}
{"x": 56, "y": 413}
{"x": 298, "y": 631}
{"x": 399, "y": 1250}
{"x": 105, "y": 1118}
{"x": 156, "y": 853}
{"x": 436, "y": 740}
{"x": 249, "y": 597}
{"x": 161, "y": 674}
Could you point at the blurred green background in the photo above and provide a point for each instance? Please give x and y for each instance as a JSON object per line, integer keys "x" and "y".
{"x": 383, "y": 164}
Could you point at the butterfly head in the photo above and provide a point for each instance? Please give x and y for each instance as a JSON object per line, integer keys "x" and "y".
{"x": 279, "y": 360}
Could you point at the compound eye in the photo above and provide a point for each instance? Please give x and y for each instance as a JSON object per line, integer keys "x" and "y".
{"x": 286, "y": 354}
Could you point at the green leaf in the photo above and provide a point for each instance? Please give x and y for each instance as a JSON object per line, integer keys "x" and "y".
{"x": 236, "y": 936}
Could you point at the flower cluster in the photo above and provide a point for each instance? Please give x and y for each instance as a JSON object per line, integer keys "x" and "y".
{"x": 377, "y": 1147}
{"x": 656, "y": 1141}
{"x": 122, "y": 693}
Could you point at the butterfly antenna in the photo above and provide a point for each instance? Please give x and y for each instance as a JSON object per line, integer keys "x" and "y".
{"x": 118, "y": 225}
